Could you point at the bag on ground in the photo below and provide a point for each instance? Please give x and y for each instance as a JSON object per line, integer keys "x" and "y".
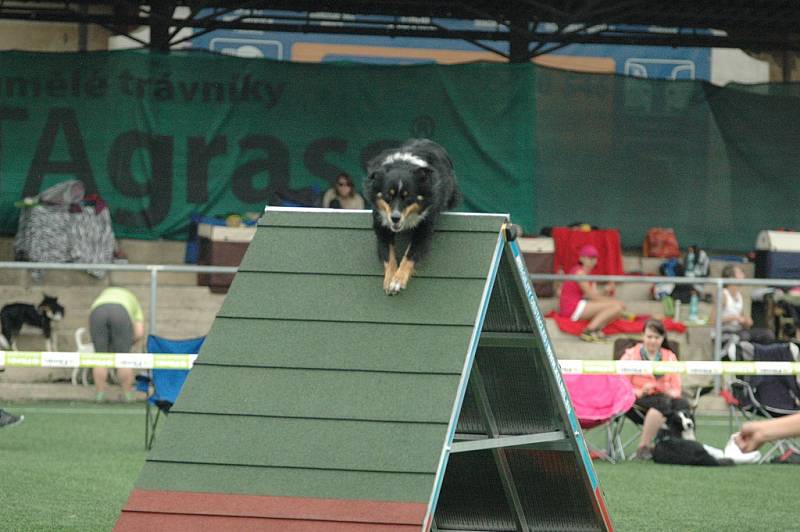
{"x": 660, "y": 242}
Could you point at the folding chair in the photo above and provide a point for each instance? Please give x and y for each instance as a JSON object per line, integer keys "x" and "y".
{"x": 162, "y": 386}
{"x": 765, "y": 396}
{"x": 635, "y": 413}
{"x": 599, "y": 400}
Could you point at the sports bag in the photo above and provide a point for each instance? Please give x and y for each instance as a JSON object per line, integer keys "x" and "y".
{"x": 660, "y": 242}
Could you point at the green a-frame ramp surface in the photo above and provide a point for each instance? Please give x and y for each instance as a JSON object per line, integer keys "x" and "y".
{"x": 319, "y": 403}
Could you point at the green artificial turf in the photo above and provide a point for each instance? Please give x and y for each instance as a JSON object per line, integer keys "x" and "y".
{"x": 644, "y": 496}
{"x": 71, "y": 466}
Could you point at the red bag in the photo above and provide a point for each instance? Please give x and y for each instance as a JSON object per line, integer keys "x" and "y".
{"x": 660, "y": 242}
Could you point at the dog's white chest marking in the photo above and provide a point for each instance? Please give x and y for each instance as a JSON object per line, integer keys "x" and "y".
{"x": 413, "y": 220}
{"x": 407, "y": 157}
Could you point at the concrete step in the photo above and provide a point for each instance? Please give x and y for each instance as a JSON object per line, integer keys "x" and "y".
{"x": 639, "y": 264}
{"x": 137, "y": 251}
{"x": 650, "y": 265}
{"x": 152, "y": 251}
{"x": 34, "y": 375}
{"x": 23, "y": 278}
{"x": 636, "y": 306}
{"x": 634, "y": 291}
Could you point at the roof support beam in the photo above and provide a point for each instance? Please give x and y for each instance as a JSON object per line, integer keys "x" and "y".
{"x": 161, "y": 18}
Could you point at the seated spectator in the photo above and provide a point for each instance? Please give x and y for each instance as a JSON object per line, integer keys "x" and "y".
{"x": 116, "y": 321}
{"x": 657, "y": 396}
{"x": 343, "y": 194}
{"x": 734, "y": 320}
{"x": 581, "y": 300}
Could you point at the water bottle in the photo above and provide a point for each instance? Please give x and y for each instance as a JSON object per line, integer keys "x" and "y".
{"x": 693, "y": 303}
{"x": 690, "y": 264}
{"x": 677, "y": 315}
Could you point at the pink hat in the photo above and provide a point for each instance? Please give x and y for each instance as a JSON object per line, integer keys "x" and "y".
{"x": 588, "y": 250}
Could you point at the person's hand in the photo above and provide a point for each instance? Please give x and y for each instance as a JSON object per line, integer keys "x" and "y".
{"x": 750, "y": 437}
{"x": 746, "y": 322}
{"x": 610, "y": 289}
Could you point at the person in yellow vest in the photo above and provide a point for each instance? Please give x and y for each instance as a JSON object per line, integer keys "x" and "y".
{"x": 116, "y": 321}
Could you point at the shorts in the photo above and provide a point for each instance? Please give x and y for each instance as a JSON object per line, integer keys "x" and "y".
{"x": 662, "y": 402}
{"x": 576, "y": 314}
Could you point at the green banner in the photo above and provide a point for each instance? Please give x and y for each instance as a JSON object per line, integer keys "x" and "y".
{"x": 162, "y": 136}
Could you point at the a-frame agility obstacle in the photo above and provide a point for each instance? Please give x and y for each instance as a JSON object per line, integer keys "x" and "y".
{"x": 319, "y": 403}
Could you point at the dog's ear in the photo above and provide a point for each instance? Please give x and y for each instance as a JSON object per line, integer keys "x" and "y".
{"x": 423, "y": 173}
{"x": 373, "y": 183}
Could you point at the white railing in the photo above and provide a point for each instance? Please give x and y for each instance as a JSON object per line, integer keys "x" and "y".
{"x": 153, "y": 269}
{"x": 718, "y": 283}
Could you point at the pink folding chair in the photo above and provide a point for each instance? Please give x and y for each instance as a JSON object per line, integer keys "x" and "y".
{"x": 600, "y": 400}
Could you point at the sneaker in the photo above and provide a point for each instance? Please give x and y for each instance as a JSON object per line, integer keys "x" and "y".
{"x": 130, "y": 397}
{"x": 100, "y": 397}
{"x": 592, "y": 336}
{"x": 9, "y": 420}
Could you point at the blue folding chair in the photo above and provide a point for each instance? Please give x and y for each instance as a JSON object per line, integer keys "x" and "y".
{"x": 162, "y": 386}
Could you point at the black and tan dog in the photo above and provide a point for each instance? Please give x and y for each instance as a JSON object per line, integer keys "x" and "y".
{"x": 13, "y": 316}
{"x": 408, "y": 187}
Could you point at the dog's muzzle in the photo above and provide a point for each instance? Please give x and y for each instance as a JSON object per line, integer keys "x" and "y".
{"x": 397, "y": 219}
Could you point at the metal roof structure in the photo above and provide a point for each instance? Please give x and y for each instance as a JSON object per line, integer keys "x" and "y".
{"x": 319, "y": 403}
{"x": 531, "y": 27}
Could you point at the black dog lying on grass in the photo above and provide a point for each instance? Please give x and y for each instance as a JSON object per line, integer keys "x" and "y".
{"x": 408, "y": 187}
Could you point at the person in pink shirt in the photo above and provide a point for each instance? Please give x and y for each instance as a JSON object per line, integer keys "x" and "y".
{"x": 581, "y": 300}
{"x": 658, "y": 396}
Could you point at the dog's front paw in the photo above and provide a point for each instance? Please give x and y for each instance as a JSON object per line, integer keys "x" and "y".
{"x": 394, "y": 287}
{"x": 388, "y": 278}
{"x": 398, "y": 282}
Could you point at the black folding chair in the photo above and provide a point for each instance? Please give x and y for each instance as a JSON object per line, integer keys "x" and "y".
{"x": 765, "y": 396}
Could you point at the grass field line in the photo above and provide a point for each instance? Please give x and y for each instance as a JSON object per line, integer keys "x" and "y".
{"x": 98, "y": 410}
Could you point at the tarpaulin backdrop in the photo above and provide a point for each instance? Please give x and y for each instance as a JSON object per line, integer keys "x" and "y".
{"x": 162, "y": 136}
{"x": 716, "y": 164}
